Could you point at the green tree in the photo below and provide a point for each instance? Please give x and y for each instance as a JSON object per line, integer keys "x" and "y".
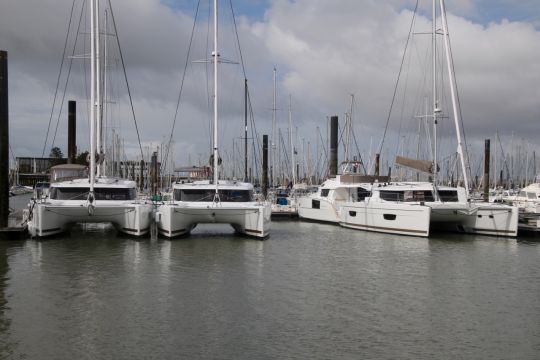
{"x": 56, "y": 155}
{"x": 81, "y": 158}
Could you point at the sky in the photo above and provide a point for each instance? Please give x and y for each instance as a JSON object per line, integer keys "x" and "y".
{"x": 323, "y": 51}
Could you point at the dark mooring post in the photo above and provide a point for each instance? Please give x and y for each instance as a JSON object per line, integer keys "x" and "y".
{"x": 486, "y": 171}
{"x": 332, "y": 171}
{"x": 265, "y": 166}
{"x": 377, "y": 164}
{"x": 72, "y": 131}
{"x": 153, "y": 173}
{"x": 141, "y": 178}
{"x": 4, "y": 141}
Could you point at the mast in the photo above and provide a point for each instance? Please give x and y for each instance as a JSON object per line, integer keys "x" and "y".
{"x": 293, "y": 165}
{"x": 104, "y": 105}
{"x": 215, "y": 54}
{"x": 245, "y": 131}
{"x": 436, "y": 109}
{"x": 274, "y": 130}
{"x": 92, "y": 98}
{"x": 98, "y": 90}
{"x": 453, "y": 95}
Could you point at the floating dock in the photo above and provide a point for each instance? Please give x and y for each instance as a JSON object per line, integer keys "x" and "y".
{"x": 16, "y": 229}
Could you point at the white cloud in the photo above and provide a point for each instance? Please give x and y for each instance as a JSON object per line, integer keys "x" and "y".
{"x": 323, "y": 50}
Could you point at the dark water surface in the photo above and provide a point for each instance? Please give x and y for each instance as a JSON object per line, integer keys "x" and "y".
{"x": 310, "y": 291}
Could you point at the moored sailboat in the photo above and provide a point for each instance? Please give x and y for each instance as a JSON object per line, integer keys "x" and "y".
{"x": 214, "y": 201}
{"x": 76, "y": 194}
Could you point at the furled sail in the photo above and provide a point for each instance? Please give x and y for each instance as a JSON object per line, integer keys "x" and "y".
{"x": 420, "y": 165}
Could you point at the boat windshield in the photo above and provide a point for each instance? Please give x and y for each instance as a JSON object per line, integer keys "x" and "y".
{"x": 81, "y": 193}
{"x": 208, "y": 195}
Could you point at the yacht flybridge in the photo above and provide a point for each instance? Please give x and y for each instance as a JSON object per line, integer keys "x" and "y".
{"x": 78, "y": 194}
{"x": 216, "y": 201}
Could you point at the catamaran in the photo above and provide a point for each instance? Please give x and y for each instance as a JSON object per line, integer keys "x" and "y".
{"x": 80, "y": 194}
{"x": 214, "y": 201}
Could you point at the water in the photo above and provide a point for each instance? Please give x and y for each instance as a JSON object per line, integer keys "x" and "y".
{"x": 309, "y": 291}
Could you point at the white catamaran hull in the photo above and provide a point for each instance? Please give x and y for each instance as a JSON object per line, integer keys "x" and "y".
{"x": 50, "y": 218}
{"x": 178, "y": 219}
{"x": 388, "y": 218}
{"x": 475, "y": 218}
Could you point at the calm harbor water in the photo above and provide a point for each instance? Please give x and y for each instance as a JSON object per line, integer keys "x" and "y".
{"x": 310, "y": 291}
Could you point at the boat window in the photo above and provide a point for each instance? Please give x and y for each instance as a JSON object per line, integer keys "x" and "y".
{"x": 115, "y": 193}
{"x": 324, "y": 192}
{"x": 418, "y": 195}
{"x": 208, "y": 195}
{"x": 69, "y": 193}
{"x": 362, "y": 194}
{"x": 42, "y": 185}
{"x": 315, "y": 204}
{"x": 81, "y": 193}
{"x": 390, "y": 195}
{"x": 522, "y": 194}
{"x": 531, "y": 195}
{"x": 448, "y": 195}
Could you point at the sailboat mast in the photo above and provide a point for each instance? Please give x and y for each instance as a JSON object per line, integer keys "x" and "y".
{"x": 98, "y": 89}
{"x": 460, "y": 150}
{"x": 293, "y": 165}
{"x": 274, "y": 129}
{"x": 216, "y": 59}
{"x": 436, "y": 110}
{"x": 245, "y": 131}
{"x": 92, "y": 96}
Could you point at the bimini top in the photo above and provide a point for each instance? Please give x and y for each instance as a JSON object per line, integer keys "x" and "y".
{"x": 66, "y": 172}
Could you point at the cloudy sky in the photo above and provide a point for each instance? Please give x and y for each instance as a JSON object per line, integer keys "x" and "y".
{"x": 323, "y": 51}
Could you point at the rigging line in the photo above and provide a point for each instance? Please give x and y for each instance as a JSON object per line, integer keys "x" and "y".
{"x": 12, "y": 154}
{"x": 58, "y": 79}
{"x": 238, "y": 40}
{"x": 125, "y": 76}
{"x": 67, "y": 80}
{"x": 399, "y": 75}
{"x": 255, "y": 136}
{"x": 358, "y": 150}
{"x": 182, "y": 82}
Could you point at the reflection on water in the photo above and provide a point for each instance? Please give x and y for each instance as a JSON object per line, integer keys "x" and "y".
{"x": 309, "y": 291}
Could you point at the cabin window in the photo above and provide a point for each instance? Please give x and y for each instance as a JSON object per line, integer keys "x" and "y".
{"x": 389, "y": 216}
{"x": 418, "y": 195}
{"x": 315, "y": 204}
{"x": 69, "y": 193}
{"x": 81, "y": 193}
{"x": 115, "y": 193}
{"x": 391, "y": 195}
{"x": 522, "y": 194}
{"x": 324, "y": 192}
{"x": 531, "y": 195}
{"x": 208, "y": 195}
{"x": 352, "y": 213}
{"x": 362, "y": 194}
{"x": 448, "y": 195}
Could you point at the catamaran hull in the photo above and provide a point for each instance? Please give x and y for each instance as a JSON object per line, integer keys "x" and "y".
{"x": 177, "y": 219}
{"x": 488, "y": 219}
{"x": 46, "y": 219}
{"x": 388, "y": 218}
